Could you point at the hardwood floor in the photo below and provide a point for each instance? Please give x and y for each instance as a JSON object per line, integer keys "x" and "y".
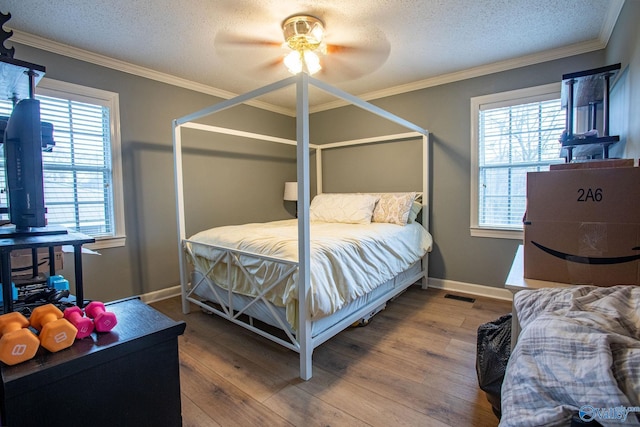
{"x": 413, "y": 365}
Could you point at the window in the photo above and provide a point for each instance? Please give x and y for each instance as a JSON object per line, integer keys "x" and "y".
{"x": 82, "y": 174}
{"x": 512, "y": 133}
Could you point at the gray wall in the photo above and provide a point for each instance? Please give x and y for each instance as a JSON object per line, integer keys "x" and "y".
{"x": 239, "y": 181}
{"x": 387, "y": 167}
{"x": 624, "y": 47}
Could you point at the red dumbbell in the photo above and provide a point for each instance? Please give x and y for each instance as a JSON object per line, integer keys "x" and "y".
{"x": 83, "y": 324}
{"x": 104, "y": 320}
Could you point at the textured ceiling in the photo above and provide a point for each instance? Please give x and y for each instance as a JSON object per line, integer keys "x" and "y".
{"x": 388, "y": 45}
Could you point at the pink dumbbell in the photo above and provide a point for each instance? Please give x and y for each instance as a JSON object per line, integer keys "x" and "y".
{"x": 104, "y": 320}
{"x": 77, "y": 319}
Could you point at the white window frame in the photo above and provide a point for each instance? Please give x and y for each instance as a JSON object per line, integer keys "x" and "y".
{"x": 111, "y": 100}
{"x": 497, "y": 100}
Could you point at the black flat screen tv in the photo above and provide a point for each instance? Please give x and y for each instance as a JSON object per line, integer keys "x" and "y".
{"x": 23, "y": 165}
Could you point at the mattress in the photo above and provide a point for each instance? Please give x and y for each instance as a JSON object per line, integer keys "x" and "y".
{"x": 347, "y": 260}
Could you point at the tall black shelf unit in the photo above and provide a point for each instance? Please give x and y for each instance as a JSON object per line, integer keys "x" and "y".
{"x": 588, "y": 89}
{"x": 9, "y": 243}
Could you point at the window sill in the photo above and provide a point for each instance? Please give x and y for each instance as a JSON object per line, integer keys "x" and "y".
{"x": 497, "y": 233}
{"x": 107, "y": 242}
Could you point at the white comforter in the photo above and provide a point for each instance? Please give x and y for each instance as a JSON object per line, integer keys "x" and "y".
{"x": 347, "y": 260}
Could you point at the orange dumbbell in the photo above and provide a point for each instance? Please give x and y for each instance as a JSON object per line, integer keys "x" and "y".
{"x": 56, "y": 333}
{"x": 18, "y": 344}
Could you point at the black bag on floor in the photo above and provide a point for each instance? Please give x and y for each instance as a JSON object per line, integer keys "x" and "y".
{"x": 494, "y": 349}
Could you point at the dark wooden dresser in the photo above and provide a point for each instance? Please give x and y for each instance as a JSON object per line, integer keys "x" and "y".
{"x": 127, "y": 377}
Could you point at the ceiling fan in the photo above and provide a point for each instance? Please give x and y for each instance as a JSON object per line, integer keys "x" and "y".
{"x": 303, "y": 34}
{"x": 305, "y": 49}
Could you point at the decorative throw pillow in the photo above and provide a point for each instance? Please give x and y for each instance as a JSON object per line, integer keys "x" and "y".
{"x": 393, "y": 208}
{"x": 342, "y": 207}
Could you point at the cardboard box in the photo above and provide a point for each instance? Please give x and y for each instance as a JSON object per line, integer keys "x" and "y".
{"x": 594, "y": 164}
{"x": 22, "y": 265}
{"x": 582, "y": 226}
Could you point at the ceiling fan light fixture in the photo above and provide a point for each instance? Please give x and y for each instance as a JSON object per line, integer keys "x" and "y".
{"x": 303, "y": 32}
{"x": 298, "y": 61}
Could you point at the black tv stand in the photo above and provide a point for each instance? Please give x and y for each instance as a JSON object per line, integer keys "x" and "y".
{"x": 9, "y": 232}
{"x": 33, "y": 242}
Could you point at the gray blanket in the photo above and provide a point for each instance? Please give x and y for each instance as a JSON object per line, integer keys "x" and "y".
{"x": 578, "y": 353}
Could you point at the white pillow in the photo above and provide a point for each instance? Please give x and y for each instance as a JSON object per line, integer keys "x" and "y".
{"x": 346, "y": 208}
{"x": 394, "y": 208}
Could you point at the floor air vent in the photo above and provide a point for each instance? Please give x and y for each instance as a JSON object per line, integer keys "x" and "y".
{"x": 460, "y": 298}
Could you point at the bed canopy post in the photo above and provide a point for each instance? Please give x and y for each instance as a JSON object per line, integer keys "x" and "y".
{"x": 318, "y": 170}
{"x": 425, "y": 204}
{"x": 304, "y": 247}
{"x": 182, "y": 234}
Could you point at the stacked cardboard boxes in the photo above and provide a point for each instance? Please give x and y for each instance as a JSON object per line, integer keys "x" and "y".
{"x": 582, "y": 226}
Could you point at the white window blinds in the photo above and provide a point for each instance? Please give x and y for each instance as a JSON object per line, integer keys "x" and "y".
{"x": 77, "y": 172}
{"x": 513, "y": 140}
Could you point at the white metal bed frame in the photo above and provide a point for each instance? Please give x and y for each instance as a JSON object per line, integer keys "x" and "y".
{"x": 300, "y": 340}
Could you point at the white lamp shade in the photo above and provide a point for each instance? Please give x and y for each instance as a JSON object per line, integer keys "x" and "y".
{"x": 291, "y": 191}
{"x": 293, "y": 62}
{"x": 297, "y": 61}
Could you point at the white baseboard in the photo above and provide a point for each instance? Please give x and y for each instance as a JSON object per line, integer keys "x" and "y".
{"x": 447, "y": 285}
{"x": 155, "y": 296}
{"x": 470, "y": 288}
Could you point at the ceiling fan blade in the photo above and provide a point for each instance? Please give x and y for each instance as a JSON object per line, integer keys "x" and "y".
{"x": 336, "y": 70}
{"x": 225, "y": 43}
{"x": 261, "y": 53}
{"x": 274, "y": 64}
{"x": 260, "y": 57}
{"x": 347, "y": 62}
{"x": 333, "y": 49}
{"x": 267, "y": 71}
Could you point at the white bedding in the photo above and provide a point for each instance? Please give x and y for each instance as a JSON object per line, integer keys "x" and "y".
{"x": 347, "y": 260}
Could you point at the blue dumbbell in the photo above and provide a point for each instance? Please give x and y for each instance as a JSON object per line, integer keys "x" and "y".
{"x": 14, "y": 293}
{"x": 57, "y": 282}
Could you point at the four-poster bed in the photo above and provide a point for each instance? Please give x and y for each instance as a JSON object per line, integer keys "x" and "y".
{"x": 230, "y": 278}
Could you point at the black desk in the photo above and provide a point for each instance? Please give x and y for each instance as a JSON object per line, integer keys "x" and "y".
{"x": 127, "y": 377}
{"x": 8, "y": 244}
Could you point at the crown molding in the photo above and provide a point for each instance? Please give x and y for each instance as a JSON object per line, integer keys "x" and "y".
{"x": 550, "y": 55}
{"x": 115, "y": 64}
{"x": 615, "y": 7}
